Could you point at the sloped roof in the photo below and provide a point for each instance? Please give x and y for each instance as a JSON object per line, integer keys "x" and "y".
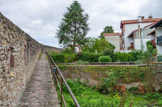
{"x": 137, "y": 29}
{"x": 132, "y": 33}
{"x": 157, "y": 24}
{"x": 151, "y": 33}
{"x": 143, "y": 21}
{"x": 112, "y": 34}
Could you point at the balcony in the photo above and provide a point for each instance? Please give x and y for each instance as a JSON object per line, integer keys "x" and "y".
{"x": 159, "y": 40}
{"x": 131, "y": 47}
{"x": 153, "y": 42}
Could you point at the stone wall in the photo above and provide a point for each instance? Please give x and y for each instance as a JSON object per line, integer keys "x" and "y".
{"x": 93, "y": 75}
{"x": 50, "y": 48}
{"x": 18, "y": 55}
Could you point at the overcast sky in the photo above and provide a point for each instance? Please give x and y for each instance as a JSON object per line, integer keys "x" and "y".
{"x": 41, "y": 18}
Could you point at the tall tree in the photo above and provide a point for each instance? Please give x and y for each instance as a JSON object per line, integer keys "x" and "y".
{"x": 107, "y": 29}
{"x": 74, "y": 27}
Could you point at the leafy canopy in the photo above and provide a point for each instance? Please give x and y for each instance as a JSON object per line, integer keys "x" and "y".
{"x": 107, "y": 29}
{"x": 74, "y": 27}
{"x": 97, "y": 45}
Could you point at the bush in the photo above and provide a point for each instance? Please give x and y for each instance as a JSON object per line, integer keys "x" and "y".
{"x": 58, "y": 57}
{"x": 69, "y": 58}
{"x": 125, "y": 57}
{"x": 104, "y": 59}
{"x": 90, "y": 57}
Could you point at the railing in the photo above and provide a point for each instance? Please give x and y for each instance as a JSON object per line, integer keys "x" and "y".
{"x": 60, "y": 78}
{"x": 159, "y": 40}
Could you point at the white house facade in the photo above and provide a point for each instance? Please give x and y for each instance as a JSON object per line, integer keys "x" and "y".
{"x": 135, "y": 32}
{"x": 114, "y": 39}
{"x": 158, "y": 36}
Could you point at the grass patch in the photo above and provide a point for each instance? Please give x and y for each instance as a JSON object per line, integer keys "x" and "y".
{"x": 90, "y": 97}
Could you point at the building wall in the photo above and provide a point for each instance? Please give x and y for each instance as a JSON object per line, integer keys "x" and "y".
{"x": 159, "y": 33}
{"x": 145, "y": 38}
{"x": 18, "y": 56}
{"x": 128, "y": 29}
{"x": 115, "y": 40}
{"x": 147, "y": 31}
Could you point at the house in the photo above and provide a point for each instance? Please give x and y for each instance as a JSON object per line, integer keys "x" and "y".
{"x": 115, "y": 39}
{"x": 134, "y": 32}
{"x": 139, "y": 38}
{"x": 157, "y": 35}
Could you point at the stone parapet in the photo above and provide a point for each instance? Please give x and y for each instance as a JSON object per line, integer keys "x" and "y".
{"x": 18, "y": 56}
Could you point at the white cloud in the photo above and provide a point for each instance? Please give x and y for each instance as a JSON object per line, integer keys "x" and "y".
{"x": 41, "y": 18}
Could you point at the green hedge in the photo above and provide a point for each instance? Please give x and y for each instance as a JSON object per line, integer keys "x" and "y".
{"x": 58, "y": 57}
{"x": 126, "y": 57}
{"x": 69, "y": 58}
{"x": 90, "y": 57}
{"x": 104, "y": 59}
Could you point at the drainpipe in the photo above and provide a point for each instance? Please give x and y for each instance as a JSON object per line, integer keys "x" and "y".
{"x": 139, "y": 34}
{"x": 142, "y": 39}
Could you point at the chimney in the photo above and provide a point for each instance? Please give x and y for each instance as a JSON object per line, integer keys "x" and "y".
{"x": 140, "y": 18}
{"x": 150, "y": 17}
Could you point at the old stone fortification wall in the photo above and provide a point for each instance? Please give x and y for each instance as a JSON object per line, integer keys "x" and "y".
{"x": 50, "y": 48}
{"x": 18, "y": 55}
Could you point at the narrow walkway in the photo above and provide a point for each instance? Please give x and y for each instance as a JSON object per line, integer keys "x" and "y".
{"x": 40, "y": 91}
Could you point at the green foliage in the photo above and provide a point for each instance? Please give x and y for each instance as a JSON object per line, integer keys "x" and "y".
{"x": 109, "y": 51}
{"x": 89, "y": 97}
{"x": 107, "y": 29}
{"x": 125, "y": 57}
{"x": 150, "y": 96}
{"x": 80, "y": 62}
{"x": 58, "y": 57}
{"x": 104, "y": 59}
{"x": 133, "y": 89}
{"x": 69, "y": 58}
{"x": 90, "y": 57}
{"x": 101, "y": 45}
{"x": 74, "y": 26}
{"x": 97, "y": 45}
{"x": 150, "y": 48}
{"x": 61, "y": 57}
{"x": 67, "y": 51}
{"x": 125, "y": 74}
{"x": 109, "y": 83}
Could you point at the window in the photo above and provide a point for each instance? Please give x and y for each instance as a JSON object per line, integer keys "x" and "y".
{"x": 12, "y": 61}
{"x": 0, "y": 42}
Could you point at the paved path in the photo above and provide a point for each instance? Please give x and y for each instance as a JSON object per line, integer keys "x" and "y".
{"x": 40, "y": 91}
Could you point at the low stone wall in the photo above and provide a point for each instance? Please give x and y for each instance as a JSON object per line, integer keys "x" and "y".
{"x": 93, "y": 75}
{"x": 18, "y": 55}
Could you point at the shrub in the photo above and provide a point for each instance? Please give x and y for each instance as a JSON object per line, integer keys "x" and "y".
{"x": 104, "y": 59}
{"x": 90, "y": 57}
{"x": 69, "y": 58}
{"x": 58, "y": 57}
{"x": 125, "y": 57}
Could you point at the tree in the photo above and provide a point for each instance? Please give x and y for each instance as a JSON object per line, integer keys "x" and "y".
{"x": 107, "y": 29}
{"x": 74, "y": 27}
{"x": 99, "y": 45}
